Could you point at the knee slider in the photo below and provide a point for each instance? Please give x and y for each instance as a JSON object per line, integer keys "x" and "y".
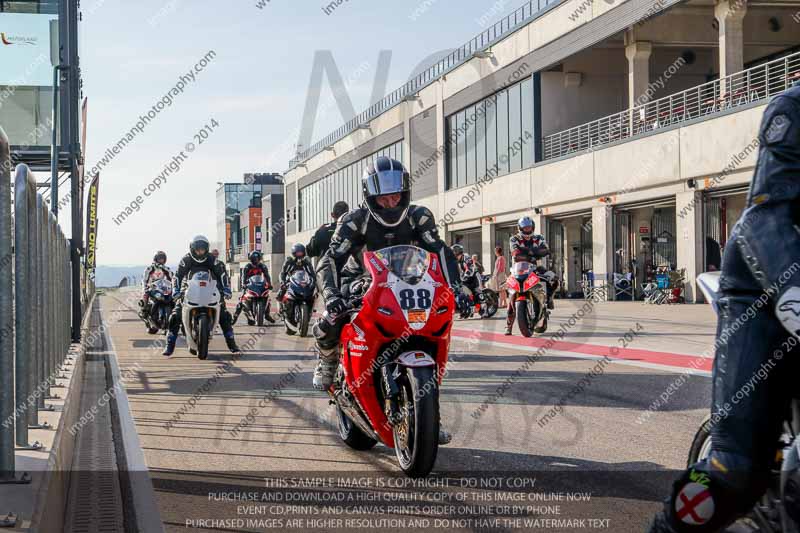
{"x": 705, "y": 497}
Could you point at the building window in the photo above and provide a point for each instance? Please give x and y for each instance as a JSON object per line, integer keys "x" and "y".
{"x": 492, "y": 137}
{"x": 318, "y": 198}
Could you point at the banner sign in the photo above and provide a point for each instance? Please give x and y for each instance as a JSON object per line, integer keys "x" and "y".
{"x": 25, "y": 49}
{"x": 91, "y": 227}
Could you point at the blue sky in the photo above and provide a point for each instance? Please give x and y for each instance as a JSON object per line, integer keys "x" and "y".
{"x": 255, "y": 88}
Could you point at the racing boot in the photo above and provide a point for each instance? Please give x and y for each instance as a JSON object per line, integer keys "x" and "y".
{"x": 231, "y": 342}
{"x": 326, "y": 368}
{"x": 508, "y": 329}
{"x": 170, "y": 348}
{"x": 236, "y": 313}
{"x": 444, "y": 436}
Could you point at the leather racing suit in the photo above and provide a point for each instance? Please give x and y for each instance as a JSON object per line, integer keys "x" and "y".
{"x": 356, "y": 232}
{"x": 754, "y": 375}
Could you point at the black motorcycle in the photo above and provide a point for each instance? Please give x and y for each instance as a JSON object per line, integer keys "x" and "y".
{"x": 483, "y": 302}
{"x": 298, "y": 302}
{"x": 156, "y": 313}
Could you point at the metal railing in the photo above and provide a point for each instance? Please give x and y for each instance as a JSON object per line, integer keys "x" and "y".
{"x": 241, "y": 252}
{"x": 459, "y": 56}
{"x": 752, "y": 85}
{"x": 34, "y": 310}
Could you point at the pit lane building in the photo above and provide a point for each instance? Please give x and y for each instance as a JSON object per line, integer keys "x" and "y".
{"x": 626, "y": 128}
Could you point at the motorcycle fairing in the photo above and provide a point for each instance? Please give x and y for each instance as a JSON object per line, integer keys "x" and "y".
{"x": 371, "y": 332}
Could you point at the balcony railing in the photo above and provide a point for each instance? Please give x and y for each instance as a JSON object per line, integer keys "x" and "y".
{"x": 240, "y": 253}
{"x": 494, "y": 33}
{"x": 741, "y": 88}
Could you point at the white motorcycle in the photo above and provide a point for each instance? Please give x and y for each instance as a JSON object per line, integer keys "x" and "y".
{"x": 201, "y": 311}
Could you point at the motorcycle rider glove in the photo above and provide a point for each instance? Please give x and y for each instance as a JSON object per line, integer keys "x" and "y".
{"x": 336, "y": 305}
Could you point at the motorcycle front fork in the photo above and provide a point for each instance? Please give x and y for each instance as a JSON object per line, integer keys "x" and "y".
{"x": 391, "y": 393}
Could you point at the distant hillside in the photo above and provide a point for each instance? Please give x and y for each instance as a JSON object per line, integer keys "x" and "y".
{"x": 110, "y": 276}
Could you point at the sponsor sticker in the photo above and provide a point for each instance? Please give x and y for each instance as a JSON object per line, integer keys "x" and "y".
{"x": 377, "y": 265}
{"x": 416, "y": 316}
{"x": 694, "y": 504}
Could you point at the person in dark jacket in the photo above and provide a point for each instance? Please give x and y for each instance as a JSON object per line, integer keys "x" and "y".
{"x": 254, "y": 268}
{"x": 759, "y": 314}
{"x": 321, "y": 240}
{"x": 528, "y": 246}
{"x": 387, "y": 218}
{"x": 158, "y": 268}
{"x": 297, "y": 261}
{"x": 199, "y": 259}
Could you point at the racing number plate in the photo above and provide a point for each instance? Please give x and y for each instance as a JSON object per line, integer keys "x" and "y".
{"x": 416, "y": 316}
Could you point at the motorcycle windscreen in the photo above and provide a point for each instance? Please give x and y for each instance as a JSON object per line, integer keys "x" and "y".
{"x": 408, "y": 263}
{"x": 522, "y": 268}
{"x": 163, "y": 286}
{"x": 301, "y": 278}
{"x": 257, "y": 279}
{"x": 202, "y": 290}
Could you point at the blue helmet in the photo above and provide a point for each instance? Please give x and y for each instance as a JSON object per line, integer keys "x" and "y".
{"x": 387, "y": 177}
{"x": 298, "y": 248}
{"x": 526, "y": 225}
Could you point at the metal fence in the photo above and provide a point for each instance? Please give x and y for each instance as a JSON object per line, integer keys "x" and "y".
{"x": 752, "y": 85}
{"x": 462, "y": 54}
{"x": 35, "y": 305}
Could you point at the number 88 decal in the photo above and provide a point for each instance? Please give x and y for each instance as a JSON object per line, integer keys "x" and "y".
{"x": 408, "y": 300}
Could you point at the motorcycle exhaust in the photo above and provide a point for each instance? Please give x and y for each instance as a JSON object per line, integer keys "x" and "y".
{"x": 353, "y": 413}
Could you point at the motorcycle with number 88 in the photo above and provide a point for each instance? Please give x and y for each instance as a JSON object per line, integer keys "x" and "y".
{"x": 393, "y": 356}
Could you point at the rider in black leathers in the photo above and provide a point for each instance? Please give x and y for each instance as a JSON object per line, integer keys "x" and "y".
{"x": 525, "y": 245}
{"x": 759, "y": 312}
{"x": 469, "y": 276}
{"x": 254, "y": 268}
{"x": 199, "y": 259}
{"x": 321, "y": 240}
{"x": 297, "y": 261}
{"x": 159, "y": 264}
{"x": 387, "y": 218}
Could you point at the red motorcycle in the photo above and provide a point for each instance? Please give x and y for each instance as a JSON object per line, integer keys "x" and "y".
{"x": 529, "y": 292}
{"x": 256, "y": 300}
{"x": 393, "y": 356}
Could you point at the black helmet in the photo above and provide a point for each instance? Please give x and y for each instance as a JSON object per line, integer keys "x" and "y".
{"x": 339, "y": 209}
{"x": 198, "y": 248}
{"x": 160, "y": 257}
{"x": 384, "y": 177}
{"x": 457, "y": 249}
{"x": 255, "y": 257}
{"x": 526, "y": 223}
{"x": 298, "y": 248}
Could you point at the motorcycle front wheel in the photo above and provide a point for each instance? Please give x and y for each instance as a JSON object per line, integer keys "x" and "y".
{"x": 289, "y": 314}
{"x": 416, "y": 436}
{"x": 491, "y": 304}
{"x": 203, "y": 332}
{"x": 523, "y": 320}
{"x": 260, "y": 305}
{"x": 305, "y": 318}
{"x": 701, "y": 444}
